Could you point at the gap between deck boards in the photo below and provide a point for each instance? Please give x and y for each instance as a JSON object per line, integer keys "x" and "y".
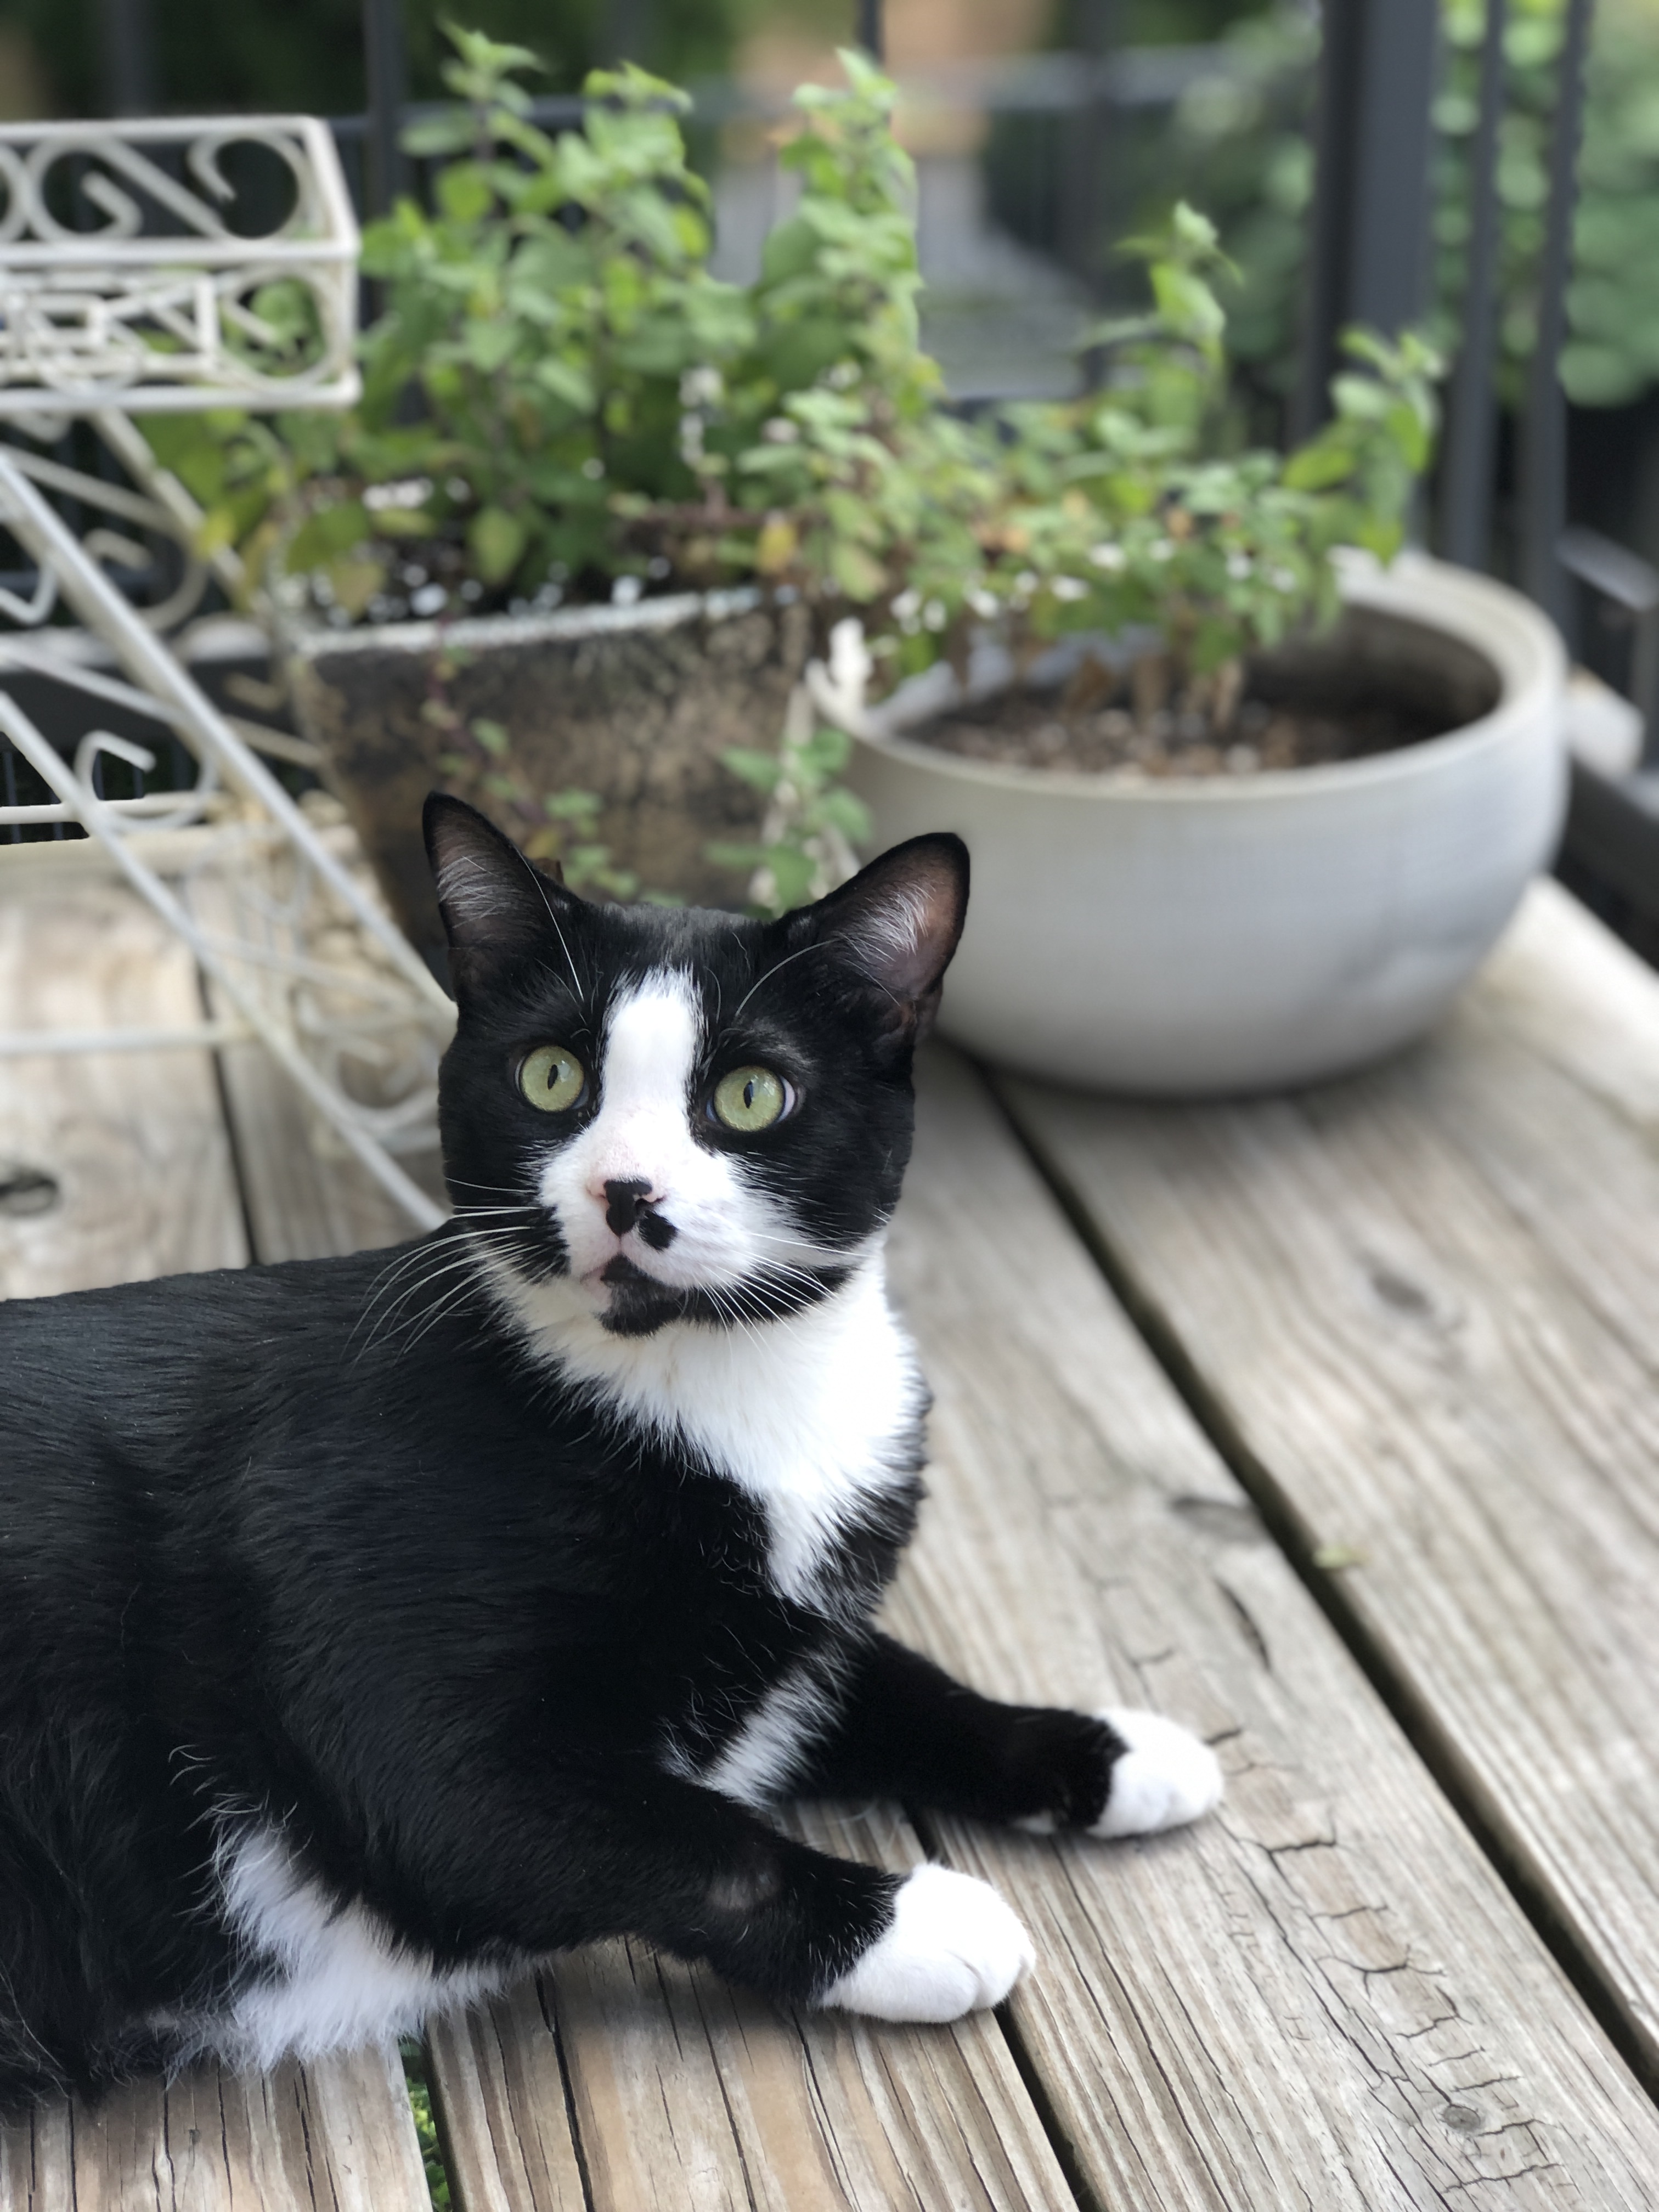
{"x": 1415, "y": 1717}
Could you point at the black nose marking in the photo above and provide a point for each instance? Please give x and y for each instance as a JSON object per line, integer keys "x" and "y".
{"x": 656, "y": 1233}
{"x": 623, "y": 1204}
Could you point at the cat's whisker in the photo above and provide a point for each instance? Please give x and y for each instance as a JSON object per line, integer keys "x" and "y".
{"x": 449, "y": 1262}
{"x": 451, "y": 1300}
{"x": 536, "y": 877}
{"x": 433, "y": 1249}
{"x": 392, "y": 1275}
{"x": 809, "y": 1255}
{"x": 818, "y": 945}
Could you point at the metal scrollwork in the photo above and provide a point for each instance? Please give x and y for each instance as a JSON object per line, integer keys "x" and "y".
{"x": 123, "y": 282}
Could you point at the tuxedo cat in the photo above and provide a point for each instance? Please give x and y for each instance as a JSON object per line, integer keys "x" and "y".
{"x": 371, "y": 1627}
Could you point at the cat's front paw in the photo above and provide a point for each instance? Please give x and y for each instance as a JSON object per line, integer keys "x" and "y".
{"x": 1163, "y": 1778}
{"x": 953, "y": 1947}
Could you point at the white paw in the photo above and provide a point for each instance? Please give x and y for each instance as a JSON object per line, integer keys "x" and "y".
{"x": 954, "y": 1947}
{"x": 1165, "y": 1778}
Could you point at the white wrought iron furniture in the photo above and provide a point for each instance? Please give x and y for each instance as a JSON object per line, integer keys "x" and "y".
{"x": 164, "y": 304}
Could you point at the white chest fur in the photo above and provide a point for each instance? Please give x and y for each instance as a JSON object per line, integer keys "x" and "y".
{"x": 809, "y": 1414}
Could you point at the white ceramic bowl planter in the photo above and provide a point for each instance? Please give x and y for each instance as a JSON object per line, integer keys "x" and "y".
{"x": 1191, "y": 936}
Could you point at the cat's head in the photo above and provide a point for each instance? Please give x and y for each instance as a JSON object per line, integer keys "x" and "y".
{"x": 684, "y": 1115}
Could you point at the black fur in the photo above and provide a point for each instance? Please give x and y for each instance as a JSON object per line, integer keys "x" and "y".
{"x": 323, "y": 1547}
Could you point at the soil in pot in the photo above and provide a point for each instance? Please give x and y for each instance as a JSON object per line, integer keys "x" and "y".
{"x": 1372, "y": 683}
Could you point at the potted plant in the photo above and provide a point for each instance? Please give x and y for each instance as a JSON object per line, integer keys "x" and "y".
{"x": 1246, "y": 804}
{"x": 572, "y": 547}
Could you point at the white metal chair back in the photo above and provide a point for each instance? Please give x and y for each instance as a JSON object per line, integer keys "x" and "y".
{"x": 164, "y": 306}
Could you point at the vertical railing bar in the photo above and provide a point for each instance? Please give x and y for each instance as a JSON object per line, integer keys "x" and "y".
{"x": 872, "y": 29}
{"x": 1102, "y": 32}
{"x": 387, "y": 71}
{"x": 1544, "y": 440}
{"x": 128, "y": 43}
{"x": 1465, "y": 512}
{"x": 1331, "y": 216}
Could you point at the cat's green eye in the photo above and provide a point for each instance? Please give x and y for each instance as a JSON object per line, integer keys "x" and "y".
{"x": 553, "y": 1079}
{"x": 750, "y": 1098}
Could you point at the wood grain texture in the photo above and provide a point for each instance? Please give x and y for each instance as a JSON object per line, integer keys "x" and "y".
{"x": 687, "y": 2095}
{"x": 1425, "y": 1304}
{"x": 138, "y": 1143}
{"x": 1323, "y": 1996}
{"x": 307, "y": 1193}
{"x": 135, "y": 1140}
{"x": 333, "y": 2137}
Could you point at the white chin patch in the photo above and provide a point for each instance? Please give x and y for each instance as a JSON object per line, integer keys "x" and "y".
{"x": 954, "y": 1948}
{"x": 1165, "y": 1778}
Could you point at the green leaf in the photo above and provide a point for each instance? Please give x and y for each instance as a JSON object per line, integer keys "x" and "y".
{"x": 1317, "y": 466}
{"x": 859, "y": 575}
{"x": 464, "y": 192}
{"x": 489, "y": 344}
{"x": 439, "y": 134}
{"x": 332, "y": 530}
{"x": 497, "y": 540}
{"x": 761, "y": 771}
{"x": 792, "y": 873}
{"x": 845, "y": 811}
{"x": 724, "y": 853}
{"x": 567, "y": 381}
{"x": 581, "y": 807}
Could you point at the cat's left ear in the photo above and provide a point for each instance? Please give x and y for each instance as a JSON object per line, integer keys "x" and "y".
{"x": 497, "y": 907}
{"x": 897, "y": 923}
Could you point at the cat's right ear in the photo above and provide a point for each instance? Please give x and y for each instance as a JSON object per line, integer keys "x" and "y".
{"x": 497, "y": 907}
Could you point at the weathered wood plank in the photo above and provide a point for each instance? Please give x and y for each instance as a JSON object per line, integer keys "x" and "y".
{"x": 306, "y": 1192}
{"x": 1323, "y": 1996}
{"x": 325, "y": 2138}
{"x": 690, "y": 2096}
{"x": 138, "y": 1143}
{"x": 1424, "y": 1304}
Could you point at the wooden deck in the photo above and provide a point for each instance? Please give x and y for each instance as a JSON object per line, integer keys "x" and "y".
{"x": 1329, "y": 1424}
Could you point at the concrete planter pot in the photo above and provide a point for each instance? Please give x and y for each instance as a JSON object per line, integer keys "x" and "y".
{"x": 1234, "y": 933}
{"x": 635, "y": 703}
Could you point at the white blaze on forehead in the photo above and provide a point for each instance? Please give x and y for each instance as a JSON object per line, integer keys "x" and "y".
{"x": 644, "y": 1075}
{"x": 641, "y": 1130}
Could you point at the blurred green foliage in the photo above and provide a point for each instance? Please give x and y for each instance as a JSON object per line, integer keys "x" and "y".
{"x": 1241, "y": 147}
{"x": 1133, "y": 505}
{"x": 589, "y": 402}
{"x": 559, "y": 396}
